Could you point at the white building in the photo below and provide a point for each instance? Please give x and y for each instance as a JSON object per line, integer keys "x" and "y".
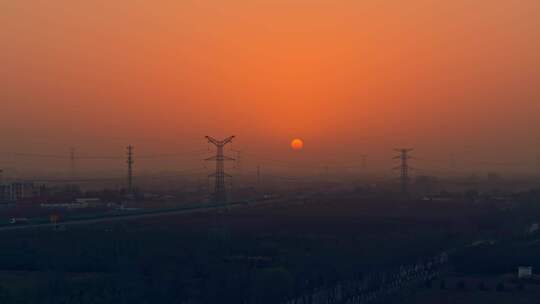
{"x": 524, "y": 272}
{"x": 16, "y": 191}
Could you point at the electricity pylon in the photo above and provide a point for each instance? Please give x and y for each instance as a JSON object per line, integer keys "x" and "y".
{"x": 404, "y": 168}
{"x": 130, "y": 162}
{"x": 72, "y": 164}
{"x": 220, "y": 194}
{"x": 364, "y": 161}
{"x": 538, "y": 164}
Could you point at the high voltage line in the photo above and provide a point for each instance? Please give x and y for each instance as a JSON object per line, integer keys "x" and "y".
{"x": 475, "y": 162}
{"x": 36, "y": 155}
{"x": 257, "y": 159}
{"x": 307, "y": 165}
{"x": 79, "y": 157}
{"x": 277, "y": 162}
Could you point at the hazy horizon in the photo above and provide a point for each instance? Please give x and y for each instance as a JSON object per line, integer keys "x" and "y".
{"x": 453, "y": 78}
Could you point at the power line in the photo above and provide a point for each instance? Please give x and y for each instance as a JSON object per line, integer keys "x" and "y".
{"x": 291, "y": 164}
{"x": 439, "y": 171}
{"x": 452, "y": 162}
{"x": 174, "y": 155}
{"x": 35, "y": 155}
{"x": 100, "y": 157}
{"x": 117, "y": 179}
{"x": 238, "y": 161}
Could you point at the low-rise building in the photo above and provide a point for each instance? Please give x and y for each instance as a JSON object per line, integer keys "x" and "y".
{"x": 525, "y": 272}
{"x": 13, "y": 192}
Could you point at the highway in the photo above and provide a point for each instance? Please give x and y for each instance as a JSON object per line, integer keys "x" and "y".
{"x": 135, "y": 216}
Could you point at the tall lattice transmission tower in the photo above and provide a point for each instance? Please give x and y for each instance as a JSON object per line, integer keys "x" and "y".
{"x": 220, "y": 194}
{"x": 538, "y": 163}
{"x": 258, "y": 175}
{"x": 364, "y": 161}
{"x": 130, "y": 163}
{"x": 72, "y": 167}
{"x": 404, "y": 168}
{"x": 538, "y": 166}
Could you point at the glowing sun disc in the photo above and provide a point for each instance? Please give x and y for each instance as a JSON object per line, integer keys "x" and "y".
{"x": 297, "y": 144}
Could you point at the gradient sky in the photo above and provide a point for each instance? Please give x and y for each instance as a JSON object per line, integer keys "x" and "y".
{"x": 455, "y": 77}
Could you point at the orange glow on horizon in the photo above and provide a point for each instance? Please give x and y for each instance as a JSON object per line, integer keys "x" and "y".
{"x": 386, "y": 73}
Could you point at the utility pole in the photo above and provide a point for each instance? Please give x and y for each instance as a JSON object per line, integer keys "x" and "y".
{"x": 453, "y": 163}
{"x": 538, "y": 165}
{"x": 130, "y": 162}
{"x": 237, "y": 161}
{"x": 404, "y": 169}
{"x": 326, "y": 174}
{"x": 220, "y": 194}
{"x": 364, "y": 162}
{"x": 72, "y": 164}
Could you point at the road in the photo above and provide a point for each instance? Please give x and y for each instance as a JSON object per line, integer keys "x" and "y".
{"x": 127, "y": 217}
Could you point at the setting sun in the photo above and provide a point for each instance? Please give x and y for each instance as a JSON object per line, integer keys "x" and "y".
{"x": 297, "y": 144}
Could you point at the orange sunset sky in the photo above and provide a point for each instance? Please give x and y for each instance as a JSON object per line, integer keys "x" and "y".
{"x": 457, "y": 77}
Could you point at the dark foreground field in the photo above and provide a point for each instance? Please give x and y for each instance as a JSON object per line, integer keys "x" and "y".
{"x": 262, "y": 254}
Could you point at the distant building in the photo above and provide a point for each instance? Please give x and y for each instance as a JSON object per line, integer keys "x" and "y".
{"x": 525, "y": 272}
{"x": 4, "y": 193}
{"x": 441, "y": 197}
{"x": 17, "y": 191}
{"x": 426, "y": 184}
{"x": 534, "y": 228}
{"x": 493, "y": 177}
{"x": 79, "y": 203}
{"x": 64, "y": 205}
{"x": 91, "y": 202}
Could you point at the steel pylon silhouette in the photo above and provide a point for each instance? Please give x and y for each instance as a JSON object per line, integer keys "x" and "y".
{"x": 404, "y": 168}
{"x": 220, "y": 193}
{"x": 72, "y": 169}
{"x": 130, "y": 163}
